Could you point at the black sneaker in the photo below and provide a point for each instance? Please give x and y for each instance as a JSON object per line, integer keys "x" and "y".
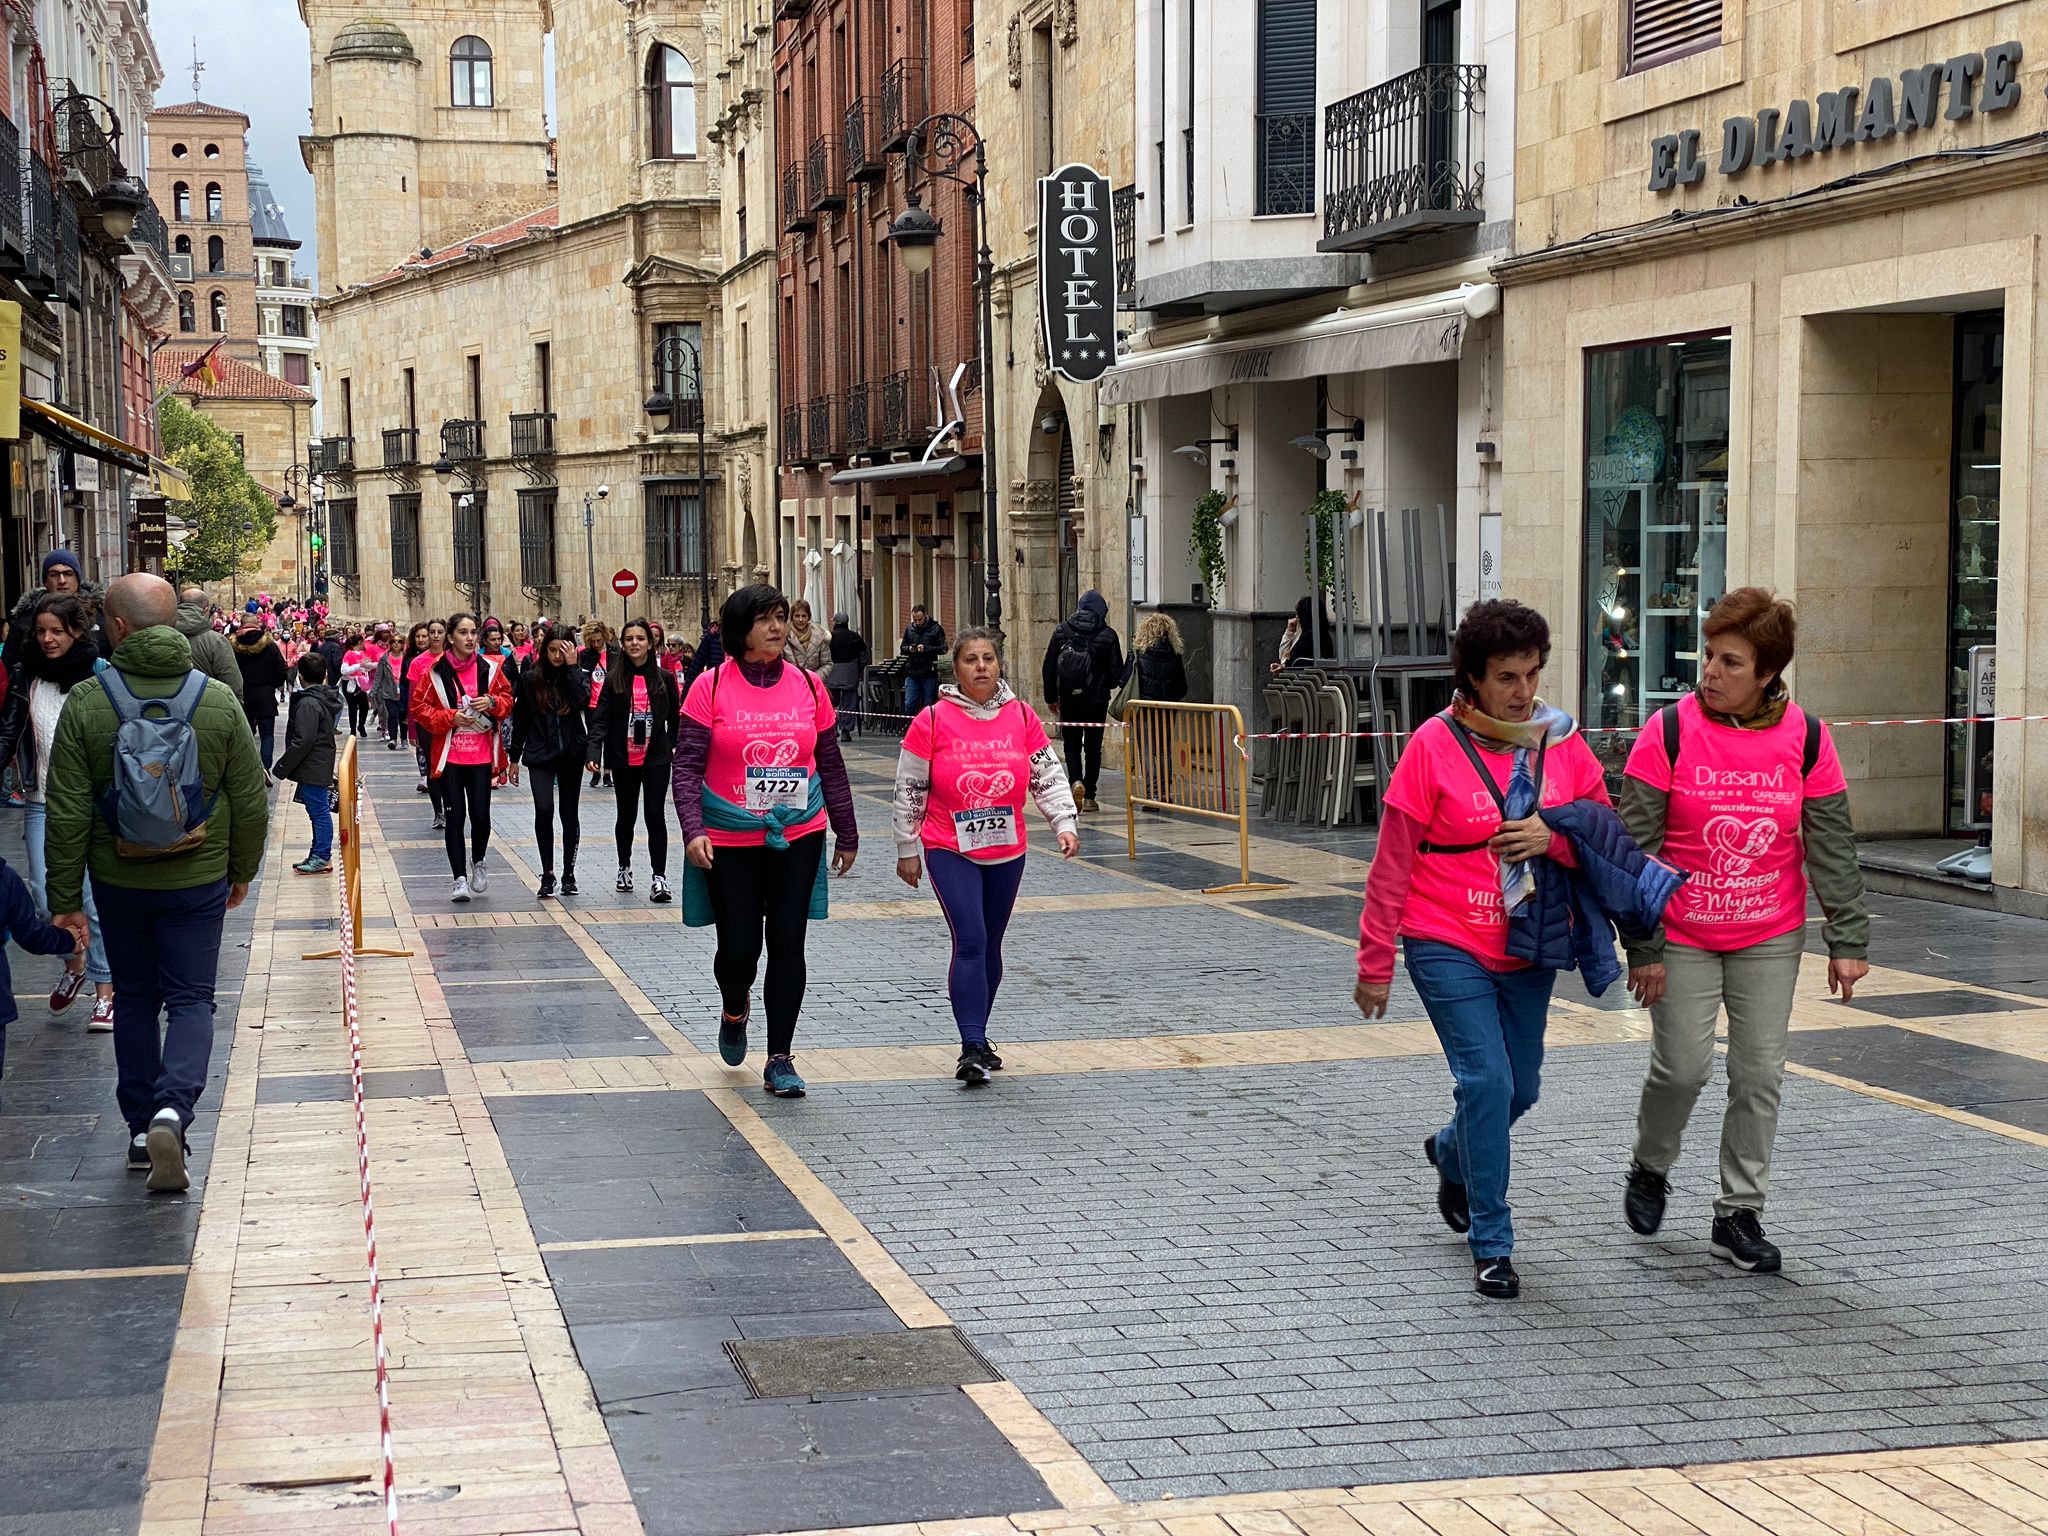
{"x": 138, "y": 1152}
{"x": 547, "y": 886}
{"x": 1740, "y": 1240}
{"x": 568, "y": 882}
{"x": 732, "y": 1039}
{"x": 1451, "y": 1201}
{"x": 1642, "y": 1202}
{"x": 972, "y": 1068}
{"x": 989, "y": 1058}
{"x": 1496, "y": 1278}
{"x": 440, "y": 822}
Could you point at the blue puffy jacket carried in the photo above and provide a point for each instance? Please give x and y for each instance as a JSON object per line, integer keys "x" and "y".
{"x": 1569, "y": 923}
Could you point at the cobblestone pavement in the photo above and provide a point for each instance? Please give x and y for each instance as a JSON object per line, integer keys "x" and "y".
{"x": 1177, "y": 1273}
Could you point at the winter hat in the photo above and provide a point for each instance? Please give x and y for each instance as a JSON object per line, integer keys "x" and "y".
{"x": 62, "y": 557}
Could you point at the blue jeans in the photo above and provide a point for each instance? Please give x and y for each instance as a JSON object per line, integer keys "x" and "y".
{"x": 266, "y": 741}
{"x": 318, "y": 800}
{"x": 34, "y": 832}
{"x": 1490, "y": 1024}
{"x": 918, "y": 692}
{"x": 977, "y": 900}
{"x": 164, "y": 970}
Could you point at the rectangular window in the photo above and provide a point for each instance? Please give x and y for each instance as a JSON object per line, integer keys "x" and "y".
{"x": 1659, "y": 31}
{"x": 740, "y": 200}
{"x": 537, "y": 538}
{"x": 543, "y": 374}
{"x": 412, "y": 418}
{"x": 348, "y": 410}
{"x": 405, "y": 537}
{"x": 675, "y": 531}
{"x": 469, "y": 539}
{"x": 341, "y": 537}
{"x": 1656, "y": 524}
{"x": 676, "y": 372}
{"x": 1042, "y": 57}
{"x": 476, "y": 387}
{"x": 1286, "y": 126}
{"x": 294, "y": 320}
{"x": 296, "y": 368}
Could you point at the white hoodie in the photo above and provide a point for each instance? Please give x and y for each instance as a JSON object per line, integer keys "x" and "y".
{"x": 1049, "y": 788}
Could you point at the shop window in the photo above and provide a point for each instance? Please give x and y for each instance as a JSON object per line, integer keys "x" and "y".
{"x": 1658, "y": 31}
{"x": 1656, "y": 530}
{"x": 1974, "y": 476}
{"x": 469, "y": 72}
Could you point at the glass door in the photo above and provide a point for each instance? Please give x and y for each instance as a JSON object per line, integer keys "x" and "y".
{"x": 1973, "y": 564}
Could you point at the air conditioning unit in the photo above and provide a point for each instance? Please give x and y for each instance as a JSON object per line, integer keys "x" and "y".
{"x": 181, "y": 266}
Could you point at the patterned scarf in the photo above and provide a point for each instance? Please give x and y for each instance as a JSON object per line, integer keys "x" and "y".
{"x": 1769, "y": 711}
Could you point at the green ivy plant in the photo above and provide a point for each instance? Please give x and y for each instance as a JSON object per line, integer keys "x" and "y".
{"x": 1205, "y": 542}
{"x": 1318, "y": 552}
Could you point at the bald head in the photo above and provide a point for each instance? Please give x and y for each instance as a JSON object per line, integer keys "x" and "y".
{"x": 192, "y": 595}
{"x": 137, "y": 602}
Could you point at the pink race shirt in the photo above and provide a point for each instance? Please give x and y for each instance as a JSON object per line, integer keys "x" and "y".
{"x": 764, "y": 744}
{"x": 639, "y": 725}
{"x": 418, "y": 669}
{"x": 1733, "y": 824}
{"x": 981, "y": 770}
{"x": 1454, "y": 898}
{"x": 468, "y": 744}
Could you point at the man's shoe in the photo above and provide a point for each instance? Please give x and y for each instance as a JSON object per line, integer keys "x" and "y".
{"x": 1496, "y": 1278}
{"x": 593, "y": 780}
{"x": 102, "y": 1020}
{"x": 732, "y": 1039}
{"x": 1451, "y": 1201}
{"x": 1088, "y": 803}
{"x": 166, "y": 1143}
{"x": 65, "y": 990}
{"x": 624, "y": 881}
{"x": 972, "y": 1068}
{"x": 779, "y": 1078}
{"x": 138, "y": 1152}
{"x": 312, "y": 866}
{"x": 440, "y": 822}
{"x": 461, "y": 891}
{"x": 658, "y": 889}
{"x": 1642, "y": 1200}
{"x": 568, "y": 882}
{"x": 547, "y": 886}
{"x": 1740, "y": 1240}
{"x": 479, "y": 877}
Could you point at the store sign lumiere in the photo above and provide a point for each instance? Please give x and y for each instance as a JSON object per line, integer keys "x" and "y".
{"x": 1836, "y": 119}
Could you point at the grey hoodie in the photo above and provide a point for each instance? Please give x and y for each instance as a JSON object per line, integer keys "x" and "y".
{"x": 1048, "y": 781}
{"x": 211, "y": 652}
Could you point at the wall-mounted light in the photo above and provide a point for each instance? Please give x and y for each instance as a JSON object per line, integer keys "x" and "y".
{"x": 1316, "y": 443}
{"x": 1198, "y": 450}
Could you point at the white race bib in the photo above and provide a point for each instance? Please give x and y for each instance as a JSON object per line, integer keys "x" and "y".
{"x": 770, "y": 789}
{"x": 985, "y": 827}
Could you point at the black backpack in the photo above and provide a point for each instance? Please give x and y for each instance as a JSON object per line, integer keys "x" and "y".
{"x": 1074, "y": 667}
{"x": 1808, "y": 757}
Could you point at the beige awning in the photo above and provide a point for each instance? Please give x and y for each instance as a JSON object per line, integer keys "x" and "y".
{"x": 1397, "y": 335}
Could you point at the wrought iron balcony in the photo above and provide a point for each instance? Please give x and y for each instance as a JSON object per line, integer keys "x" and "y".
{"x": 792, "y": 434}
{"x": 1287, "y": 162}
{"x": 1402, "y": 159}
{"x": 40, "y": 206}
{"x": 903, "y": 102}
{"x": 150, "y": 232}
{"x": 331, "y": 455}
{"x": 864, "y": 158}
{"x": 824, "y": 175}
{"x": 820, "y": 437}
{"x": 857, "y": 437}
{"x": 1123, "y": 209}
{"x": 13, "y": 240}
{"x": 796, "y": 213}
{"x": 906, "y": 411}
{"x": 87, "y": 140}
{"x": 401, "y": 447}
{"x": 533, "y": 435}
{"x": 462, "y": 440}
{"x": 70, "y": 276}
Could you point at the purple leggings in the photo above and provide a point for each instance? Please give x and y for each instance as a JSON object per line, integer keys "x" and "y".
{"x": 977, "y": 900}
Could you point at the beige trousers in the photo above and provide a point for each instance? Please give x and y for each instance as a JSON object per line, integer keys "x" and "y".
{"x": 1755, "y": 985}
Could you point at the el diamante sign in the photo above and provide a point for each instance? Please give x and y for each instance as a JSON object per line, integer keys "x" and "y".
{"x": 1953, "y": 90}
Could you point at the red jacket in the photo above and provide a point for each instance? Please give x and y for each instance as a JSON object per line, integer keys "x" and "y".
{"x": 435, "y": 696}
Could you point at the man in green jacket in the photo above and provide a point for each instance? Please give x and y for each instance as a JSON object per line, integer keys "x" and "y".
{"x": 211, "y": 652}
{"x": 162, "y": 916}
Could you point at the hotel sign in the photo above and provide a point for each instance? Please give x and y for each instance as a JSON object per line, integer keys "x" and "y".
{"x": 1951, "y": 91}
{"x": 1077, "y": 273}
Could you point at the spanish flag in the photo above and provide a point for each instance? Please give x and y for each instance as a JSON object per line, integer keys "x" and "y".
{"x": 202, "y": 369}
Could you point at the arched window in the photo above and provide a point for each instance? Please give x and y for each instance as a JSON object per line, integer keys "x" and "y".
{"x": 213, "y": 214}
{"x": 216, "y": 254}
{"x": 182, "y": 245}
{"x": 188, "y": 312}
{"x": 181, "y": 202}
{"x": 672, "y": 94}
{"x": 217, "y": 311}
{"x": 177, "y": 151}
{"x": 469, "y": 72}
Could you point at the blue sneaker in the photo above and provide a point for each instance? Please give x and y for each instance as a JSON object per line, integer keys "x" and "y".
{"x": 780, "y": 1078}
{"x": 732, "y": 1039}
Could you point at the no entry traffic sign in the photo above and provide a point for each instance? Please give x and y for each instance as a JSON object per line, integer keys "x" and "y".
{"x": 625, "y": 583}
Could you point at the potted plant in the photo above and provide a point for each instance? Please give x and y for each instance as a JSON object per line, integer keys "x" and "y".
{"x": 1327, "y": 519}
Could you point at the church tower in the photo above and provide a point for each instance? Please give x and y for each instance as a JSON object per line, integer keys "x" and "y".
{"x": 428, "y": 125}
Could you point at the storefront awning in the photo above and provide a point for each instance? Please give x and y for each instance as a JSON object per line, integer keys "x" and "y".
{"x": 168, "y": 481}
{"x": 923, "y": 472}
{"x": 1427, "y": 330}
{"x": 67, "y": 431}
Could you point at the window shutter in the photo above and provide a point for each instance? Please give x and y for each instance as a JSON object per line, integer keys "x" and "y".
{"x": 1662, "y": 30}
{"x": 1287, "y": 55}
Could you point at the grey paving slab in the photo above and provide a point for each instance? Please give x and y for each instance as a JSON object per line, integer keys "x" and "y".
{"x": 1949, "y": 1072}
{"x": 339, "y": 1087}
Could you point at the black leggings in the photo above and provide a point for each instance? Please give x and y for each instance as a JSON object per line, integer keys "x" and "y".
{"x": 564, "y": 782}
{"x": 434, "y": 786}
{"x": 394, "y": 717}
{"x": 636, "y": 788}
{"x": 471, "y": 783}
{"x": 757, "y": 892}
{"x": 358, "y": 713}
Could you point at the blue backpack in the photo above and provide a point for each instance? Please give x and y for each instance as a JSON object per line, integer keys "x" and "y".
{"x": 156, "y": 805}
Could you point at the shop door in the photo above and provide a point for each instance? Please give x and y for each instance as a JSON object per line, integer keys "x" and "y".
{"x": 1974, "y": 474}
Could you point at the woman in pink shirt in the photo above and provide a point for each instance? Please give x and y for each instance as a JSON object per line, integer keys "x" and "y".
{"x": 966, "y": 765}
{"x": 1460, "y": 823}
{"x": 457, "y": 705}
{"x": 1741, "y": 788}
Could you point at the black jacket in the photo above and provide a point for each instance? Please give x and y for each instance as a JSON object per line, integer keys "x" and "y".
{"x": 540, "y": 737}
{"x": 1162, "y": 675}
{"x": 331, "y": 652}
{"x": 1087, "y": 630}
{"x": 263, "y": 673}
{"x": 614, "y": 711}
{"x": 308, "y": 756}
{"x": 17, "y": 737}
{"x": 929, "y": 638}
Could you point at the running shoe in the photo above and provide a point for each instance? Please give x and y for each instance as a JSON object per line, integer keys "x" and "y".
{"x": 568, "y": 882}
{"x": 624, "y": 882}
{"x": 972, "y": 1068}
{"x": 138, "y": 1152}
{"x": 479, "y": 877}
{"x": 779, "y": 1078}
{"x": 440, "y": 822}
{"x": 65, "y": 990}
{"x": 547, "y": 885}
{"x": 1088, "y": 803}
{"x": 989, "y": 1056}
{"x": 657, "y": 889}
{"x": 1451, "y": 1201}
{"x": 1496, "y": 1278}
{"x": 312, "y": 866}
{"x": 421, "y": 787}
{"x": 1740, "y": 1240}
{"x": 461, "y": 891}
{"x": 1642, "y": 1200}
{"x": 732, "y": 1039}
{"x": 165, "y": 1141}
{"x": 16, "y": 800}
{"x": 102, "y": 1020}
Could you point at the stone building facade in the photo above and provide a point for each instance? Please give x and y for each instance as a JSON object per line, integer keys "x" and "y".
{"x": 1774, "y": 322}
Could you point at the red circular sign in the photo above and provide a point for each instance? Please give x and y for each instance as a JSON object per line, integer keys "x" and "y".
{"x": 625, "y": 583}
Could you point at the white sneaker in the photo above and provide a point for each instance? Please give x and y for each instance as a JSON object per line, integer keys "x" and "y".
{"x": 166, "y": 1142}
{"x": 461, "y": 891}
{"x": 479, "y": 878}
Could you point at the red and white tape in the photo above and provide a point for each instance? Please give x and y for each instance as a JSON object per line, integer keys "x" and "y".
{"x": 352, "y": 1017}
{"x": 1636, "y": 730}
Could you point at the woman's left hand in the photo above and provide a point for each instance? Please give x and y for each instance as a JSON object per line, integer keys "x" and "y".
{"x": 1519, "y": 841}
{"x": 1069, "y": 845}
{"x": 910, "y": 871}
{"x": 842, "y": 859}
{"x": 1843, "y": 976}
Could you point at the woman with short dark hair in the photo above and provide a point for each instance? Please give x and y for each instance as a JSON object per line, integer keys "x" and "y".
{"x": 1760, "y": 808}
{"x": 758, "y": 776}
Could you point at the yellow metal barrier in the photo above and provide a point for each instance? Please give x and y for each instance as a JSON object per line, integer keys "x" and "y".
{"x": 1185, "y": 757}
{"x": 350, "y": 846}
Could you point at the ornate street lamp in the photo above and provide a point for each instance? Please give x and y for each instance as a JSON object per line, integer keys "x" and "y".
{"x": 669, "y": 355}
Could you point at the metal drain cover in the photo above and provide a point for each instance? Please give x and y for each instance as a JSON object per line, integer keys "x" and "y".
{"x": 859, "y": 1362}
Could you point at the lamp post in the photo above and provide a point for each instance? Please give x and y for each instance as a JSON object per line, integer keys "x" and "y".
{"x": 943, "y": 148}
{"x": 669, "y": 354}
{"x": 298, "y": 478}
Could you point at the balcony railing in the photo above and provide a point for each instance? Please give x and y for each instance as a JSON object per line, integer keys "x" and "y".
{"x": 150, "y": 232}
{"x": 796, "y": 213}
{"x": 85, "y": 143}
{"x": 1401, "y": 159}
{"x": 857, "y": 438}
{"x": 903, "y": 102}
{"x": 331, "y": 455}
{"x": 792, "y": 434}
{"x": 824, "y": 174}
{"x": 1287, "y": 162}
{"x": 820, "y": 438}
{"x": 401, "y": 447}
{"x": 70, "y": 277}
{"x": 1123, "y": 208}
{"x": 906, "y": 413}
{"x": 13, "y": 248}
{"x": 40, "y": 210}
{"x": 462, "y": 440}
{"x": 533, "y": 435}
{"x": 864, "y": 158}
